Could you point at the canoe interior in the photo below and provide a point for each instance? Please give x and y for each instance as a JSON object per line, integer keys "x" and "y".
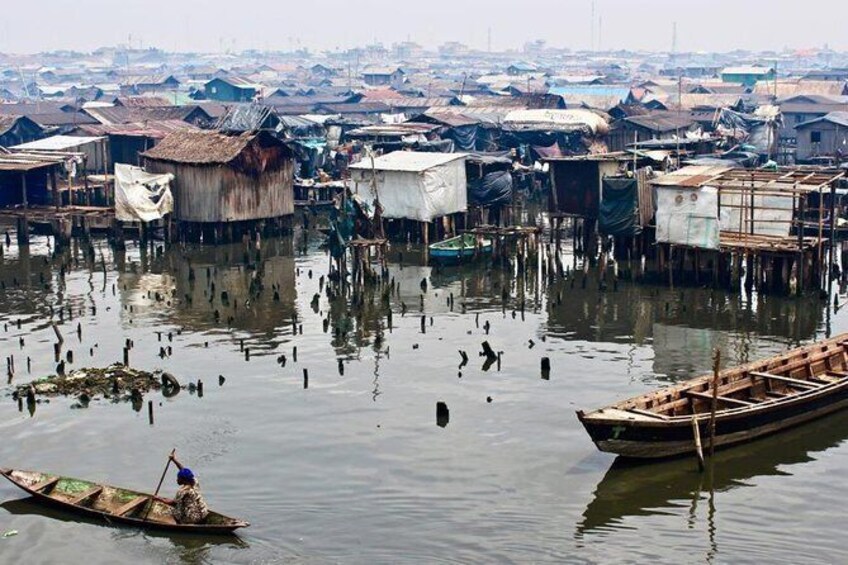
{"x": 780, "y": 378}
{"x": 109, "y": 500}
{"x": 460, "y": 242}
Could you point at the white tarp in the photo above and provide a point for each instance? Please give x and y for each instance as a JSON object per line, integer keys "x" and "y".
{"x": 414, "y": 186}
{"x": 772, "y": 214}
{"x": 687, "y": 216}
{"x": 141, "y": 196}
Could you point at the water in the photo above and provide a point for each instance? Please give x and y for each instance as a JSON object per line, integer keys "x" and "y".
{"x": 354, "y": 468}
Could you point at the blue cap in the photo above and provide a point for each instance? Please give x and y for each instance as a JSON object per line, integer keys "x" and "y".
{"x": 185, "y": 474}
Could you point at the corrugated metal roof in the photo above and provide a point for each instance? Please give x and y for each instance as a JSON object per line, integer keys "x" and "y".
{"x": 56, "y": 143}
{"x": 693, "y": 176}
{"x": 838, "y": 118}
{"x": 661, "y": 121}
{"x": 407, "y": 161}
{"x": 746, "y": 70}
{"x": 392, "y": 130}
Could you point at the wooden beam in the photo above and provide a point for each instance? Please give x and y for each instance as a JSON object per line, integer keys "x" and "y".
{"x": 92, "y": 492}
{"x": 647, "y": 413}
{"x": 725, "y": 399}
{"x": 131, "y": 505}
{"x": 787, "y": 380}
{"x": 45, "y": 485}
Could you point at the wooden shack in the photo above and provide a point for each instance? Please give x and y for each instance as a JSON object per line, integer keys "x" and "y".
{"x": 226, "y": 184}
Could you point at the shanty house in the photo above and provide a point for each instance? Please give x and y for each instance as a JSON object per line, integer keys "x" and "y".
{"x": 141, "y": 84}
{"x": 231, "y": 89}
{"x": 18, "y": 129}
{"x": 747, "y": 75}
{"x": 383, "y": 76}
{"x": 652, "y": 125}
{"x": 823, "y": 137}
{"x": 222, "y": 178}
{"x": 577, "y": 182}
{"x": 413, "y": 185}
{"x": 803, "y": 108}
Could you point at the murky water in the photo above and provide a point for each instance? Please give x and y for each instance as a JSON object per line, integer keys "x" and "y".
{"x": 354, "y": 468}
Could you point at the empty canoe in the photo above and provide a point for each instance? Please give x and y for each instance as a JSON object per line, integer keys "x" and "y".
{"x": 752, "y": 400}
{"x": 460, "y": 247}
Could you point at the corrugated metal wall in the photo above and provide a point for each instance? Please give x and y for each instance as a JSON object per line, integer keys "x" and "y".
{"x": 204, "y": 193}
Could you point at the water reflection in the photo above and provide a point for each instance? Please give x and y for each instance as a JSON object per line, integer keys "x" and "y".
{"x": 632, "y": 490}
{"x": 201, "y": 288}
{"x": 189, "y": 549}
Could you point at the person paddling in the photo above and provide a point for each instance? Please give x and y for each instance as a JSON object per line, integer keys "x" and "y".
{"x": 188, "y": 506}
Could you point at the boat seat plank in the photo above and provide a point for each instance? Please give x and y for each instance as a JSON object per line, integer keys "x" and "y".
{"x": 83, "y": 497}
{"x": 131, "y": 505}
{"x": 45, "y": 485}
{"x": 647, "y": 413}
{"x": 725, "y": 399}
{"x": 787, "y": 380}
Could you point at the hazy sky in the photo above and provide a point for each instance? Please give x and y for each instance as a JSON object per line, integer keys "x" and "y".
{"x": 207, "y": 25}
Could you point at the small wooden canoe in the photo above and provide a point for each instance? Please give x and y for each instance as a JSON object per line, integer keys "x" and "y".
{"x": 753, "y": 400}
{"x": 463, "y": 246}
{"x": 112, "y": 504}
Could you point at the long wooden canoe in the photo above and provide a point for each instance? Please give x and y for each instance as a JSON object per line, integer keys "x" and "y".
{"x": 113, "y": 504}
{"x": 463, "y": 246}
{"x": 753, "y": 400}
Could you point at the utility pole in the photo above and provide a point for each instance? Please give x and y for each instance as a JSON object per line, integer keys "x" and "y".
{"x": 674, "y": 40}
{"x": 600, "y": 32}
{"x": 592, "y": 28}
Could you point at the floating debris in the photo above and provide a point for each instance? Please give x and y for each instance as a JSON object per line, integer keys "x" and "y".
{"x": 116, "y": 382}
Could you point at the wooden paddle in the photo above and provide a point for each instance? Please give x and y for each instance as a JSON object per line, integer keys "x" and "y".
{"x": 159, "y": 486}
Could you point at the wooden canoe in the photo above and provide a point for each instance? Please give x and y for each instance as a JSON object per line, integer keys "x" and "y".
{"x": 112, "y": 504}
{"x": 463, "y": 246}
{"x": 754, "y": 400}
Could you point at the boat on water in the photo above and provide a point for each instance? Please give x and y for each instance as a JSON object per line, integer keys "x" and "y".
{"x": 464, "y": 246}
{"x": 112, "y": 504}
{"x": 752, "y": 400}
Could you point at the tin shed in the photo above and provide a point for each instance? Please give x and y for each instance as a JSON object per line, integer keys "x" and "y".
{"x": 226, "y": 178}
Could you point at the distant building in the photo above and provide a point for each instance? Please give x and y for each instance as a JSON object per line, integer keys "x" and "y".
{"x": 407, "y": 50}
{"x": 823, "y": 137}
{"x": 650, "y": 126}
{"x": 801, "y": 109}
{"x": 748, "y": 75}
{"x": 840, "y": 74}
{"x": 231, "y": 89}
{"x": 521, "y": 68}
{"x": 384, "y": 76}
{"x": 453, "y": 48}
{"x": 143, "y": 84}
{"x": 322, "y": 71}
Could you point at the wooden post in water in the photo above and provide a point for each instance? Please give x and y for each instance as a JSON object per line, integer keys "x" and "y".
{"x": 716, "y": 368}
{"x": 698, "y": 450}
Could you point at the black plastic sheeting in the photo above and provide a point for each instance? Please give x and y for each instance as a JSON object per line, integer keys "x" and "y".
{"x": 494, "y": 188}
{"x": 619, "y": 210}
{"x": 464, "y": 137}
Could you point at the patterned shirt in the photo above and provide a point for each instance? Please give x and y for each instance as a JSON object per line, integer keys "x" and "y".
{"x": 189, "y": 506}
